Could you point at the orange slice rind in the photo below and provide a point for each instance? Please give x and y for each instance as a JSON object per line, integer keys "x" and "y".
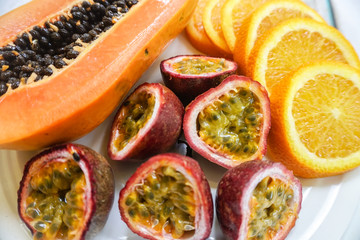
{"x": 212, "y": 23}
{"x": 197, "y": 35}
{"x": 233, "y": 13}
{"x": 315, "y": 130}
{"x": 265, "y": 17}
{"x": 294, "y": 43}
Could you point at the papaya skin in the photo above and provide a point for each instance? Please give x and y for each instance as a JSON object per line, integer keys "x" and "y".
{"x": 74, "y": 101}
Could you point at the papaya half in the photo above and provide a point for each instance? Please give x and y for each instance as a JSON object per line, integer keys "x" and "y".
{"x": 66, "y": 64}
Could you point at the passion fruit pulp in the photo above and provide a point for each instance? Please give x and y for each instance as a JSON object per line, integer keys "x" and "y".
{"x": 190, "y": 75}
{"x": 229, "y": 124}
{"x": 66, "y": 193}
{"x": 258, "y": 200}
{"x": 148, "y": 122}
{"x": 168, "y": 197}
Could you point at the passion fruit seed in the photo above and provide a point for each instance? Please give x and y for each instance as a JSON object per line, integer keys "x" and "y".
{"x": 232, "y": 124}
{"x": 270, "y": 208}
{"x": 36, "y": 54}
{"x": 56, "y": 200}
{"x": 136, "y": 111}
{"x": 163, "y": 201}
{"x": 197, "y": 66}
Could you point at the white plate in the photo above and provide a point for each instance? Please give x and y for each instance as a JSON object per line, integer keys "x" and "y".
{"x": 327, "y": 208}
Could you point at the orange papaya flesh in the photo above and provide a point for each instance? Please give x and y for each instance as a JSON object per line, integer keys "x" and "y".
{"x": 77, "y": 98}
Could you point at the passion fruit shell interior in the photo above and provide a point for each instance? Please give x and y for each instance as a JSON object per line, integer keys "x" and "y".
{"x": 270, "y": 206}
{"x": 232, "y": 124}
{"x": 56, "y": 200}
{"x": 190, "y": 75}
{"x": 199, "y": 65}
{"x": 163, "y": 201}
{"x": 134, "y": 114}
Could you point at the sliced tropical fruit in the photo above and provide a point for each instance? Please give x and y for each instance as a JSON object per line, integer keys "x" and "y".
{"x": 212, "y": 23}
{"x": 293, "y": 43}
{"x": 190, "y": 75}
{"x": 229, "y": 124}
{"x": 168, "y": 198}
{"x": 197, "y": 35}
{"x": 233, "y": 13}
{"x": 315, "y": 120}
{"x": 263, "y": 19}
{"x": 260, "y": 200}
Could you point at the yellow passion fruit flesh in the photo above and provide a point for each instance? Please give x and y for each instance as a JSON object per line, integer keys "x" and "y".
{"x": 190, "y": 75}
{"x": 135, "y": 113}
{"x": 232, "y": 124}
{"x": 198, "y": 66}
{"x": 56, "y": 201}
{"x": 258, "y": 200}
{"x": 163, "y": 201}
{"x": 270, "y": 208}
{"x": 66, "y": 193}
{"x": 147, "y": 123}
{"x": 229, "y": 124}
{"x": 168, "y": 197}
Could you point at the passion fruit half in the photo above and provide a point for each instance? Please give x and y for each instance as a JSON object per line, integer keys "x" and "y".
{"x": 148, "y": 122}
{"x": 229, "y": 124}
{"x": 168, "y": 197}
{"x": 258, "y": 200}
{"x": 66, "y": 193}
{"x": 190, "y": 75}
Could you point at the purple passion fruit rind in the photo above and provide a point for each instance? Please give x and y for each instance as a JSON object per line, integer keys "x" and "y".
{"x": 190, "y": 75}
{"x": 255, "y": 198}
{"x": 79, "y": 165}
{"x": 168, "y": 197}
{"x": 229, "y": 124}
{"x": 148, "y": 122}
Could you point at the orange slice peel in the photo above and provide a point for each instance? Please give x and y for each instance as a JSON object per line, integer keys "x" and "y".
{"x": 264, "y": 18}
{"x": 315, "y": 130}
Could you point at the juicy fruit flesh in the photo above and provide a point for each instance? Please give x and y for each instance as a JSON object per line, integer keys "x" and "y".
{"x": 242, "y": 10}
{"x": 279, "y": 15}
{"x": 198, "y": 66}
{"x": 314, "y": 47}
{"x": 39, "y": 52}
{"x": 270, "y": 207}
{"x": 164, "y": 201}
{"x": 134, "y": 115}
{"x": 232, "y": 124}
{"x": 56, "y": 201}
{"x": 325, "y": 105}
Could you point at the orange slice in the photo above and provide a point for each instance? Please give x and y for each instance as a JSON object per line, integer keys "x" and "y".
{"x": 264, "y": 18}
{"x": 233, "y": 13}
{"x": 292, "y": 44}
{"x": 315, "y": 123}
{"x": 212, "y": 23}
{"x": 197, "y": 36}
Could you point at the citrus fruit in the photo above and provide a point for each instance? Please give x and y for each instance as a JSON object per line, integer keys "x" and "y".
{"x": 259, "y": 200}
{"x": 196, "y": 33}
{"x": 168, "y": 197}
{"x": 293, "y": 43}
{"x": 264, "y": 18}
{"x": 229, "y": 124}
{"x": 212, "y": 23}
{"x": 315, "y": 120}
{"x": 233, "y": 13}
